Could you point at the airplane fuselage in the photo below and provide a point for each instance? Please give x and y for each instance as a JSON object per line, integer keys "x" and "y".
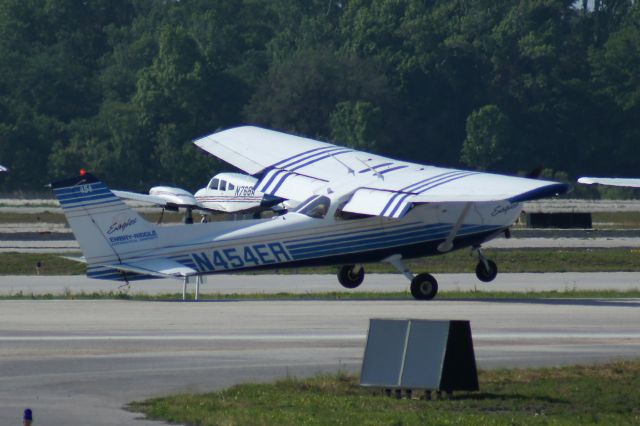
{"x": 295, "y": 239}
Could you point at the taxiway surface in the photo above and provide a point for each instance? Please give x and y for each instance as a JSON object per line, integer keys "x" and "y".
{"x": 71, "y": 361}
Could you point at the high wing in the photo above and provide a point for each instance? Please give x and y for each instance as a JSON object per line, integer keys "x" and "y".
{"x": 294, "y": 167}
{"x": 626, "y": 182}
{"x": 145, "y": 198}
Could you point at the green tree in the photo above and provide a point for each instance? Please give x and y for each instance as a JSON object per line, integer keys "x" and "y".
{"x": 616, "y": 80}
{"x": 301, "y": 94}
{"x": 357, "y": 124}
{"x": 180, "y": 97}
{"x": 488, "y": 137}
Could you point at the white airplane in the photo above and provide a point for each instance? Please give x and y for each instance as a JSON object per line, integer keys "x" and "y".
{"x": 235, "y": 192}
{"x": 626, "y": 182}
{"x": 359, "y": 208}
{"x": 226, "y": 192}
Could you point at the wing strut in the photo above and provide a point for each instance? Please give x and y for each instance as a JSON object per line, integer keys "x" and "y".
{"x": 447, "y": 244}
{"x": 396, "y": 261}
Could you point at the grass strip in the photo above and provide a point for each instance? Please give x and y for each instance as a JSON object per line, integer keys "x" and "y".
{"x": 50, "y": 264}
{"x": 579, "y": 395}
{"x": 40, "y": 217}
{"x": 508, "y": 260}
{"x": 400, "y": 295}
{"x": 616, "y": 220}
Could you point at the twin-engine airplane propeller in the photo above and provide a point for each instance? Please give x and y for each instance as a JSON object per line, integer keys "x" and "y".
{"x": 359, "y": 208}
{"x": 226, "y": 192}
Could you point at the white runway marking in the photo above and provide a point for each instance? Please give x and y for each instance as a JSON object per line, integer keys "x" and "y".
{"x": 306, "y": 337}
{"x": 283, "y": 337}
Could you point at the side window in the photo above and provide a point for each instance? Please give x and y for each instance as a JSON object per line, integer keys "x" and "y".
{"x": 230, "y": 187}
{"x": 213, "y": 184}
{"x": 223, "y": 185}
{"x": 316, "y": 208}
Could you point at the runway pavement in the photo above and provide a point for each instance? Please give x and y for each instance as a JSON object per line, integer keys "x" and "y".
{"x": 317, "y": 283}
{"x": 80, "y": 362}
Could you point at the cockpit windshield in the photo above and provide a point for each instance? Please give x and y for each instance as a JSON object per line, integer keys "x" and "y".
{"x": 316, "y": 206}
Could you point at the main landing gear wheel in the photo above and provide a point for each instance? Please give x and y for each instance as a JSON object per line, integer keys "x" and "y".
{"x": 424, "y": 287}
{"x": 351, "y": 276}
{"x": 488, "y": 272}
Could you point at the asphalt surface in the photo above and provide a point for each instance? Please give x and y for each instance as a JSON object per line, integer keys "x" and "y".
{"x": 80, "y": 362}
{"x": 321, "y": 283}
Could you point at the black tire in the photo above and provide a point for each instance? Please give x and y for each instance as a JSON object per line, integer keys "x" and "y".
{"x": 484, "y": 274}
{"x": 424, "y": 287}
{"x": 349, "y": 279}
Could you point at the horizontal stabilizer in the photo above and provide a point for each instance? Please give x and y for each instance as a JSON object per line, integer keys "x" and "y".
{"x": 162, "y": 268}
{"x": 79, "y": 259}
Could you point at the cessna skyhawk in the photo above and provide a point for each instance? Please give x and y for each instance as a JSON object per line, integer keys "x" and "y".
{"x": 359, "y": 208}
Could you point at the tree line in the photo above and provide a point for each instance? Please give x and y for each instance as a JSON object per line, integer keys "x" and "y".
{"x": 122, "y": 87}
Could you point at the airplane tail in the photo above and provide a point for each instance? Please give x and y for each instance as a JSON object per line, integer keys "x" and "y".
{"x": 107, "y": 229}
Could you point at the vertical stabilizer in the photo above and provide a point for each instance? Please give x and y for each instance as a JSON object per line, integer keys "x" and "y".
{"x": 107, "y": 229}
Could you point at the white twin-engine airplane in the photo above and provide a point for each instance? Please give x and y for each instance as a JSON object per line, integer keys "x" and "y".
{"x": 226, "y": 192}
{"x": 359, "y": 208}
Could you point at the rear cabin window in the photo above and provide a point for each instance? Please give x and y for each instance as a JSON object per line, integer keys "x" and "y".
{"x": 230, "y": 187}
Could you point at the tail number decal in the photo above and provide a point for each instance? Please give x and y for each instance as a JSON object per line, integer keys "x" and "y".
{"x": 241, "y": 257}
{"x": 245, "y": 191}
